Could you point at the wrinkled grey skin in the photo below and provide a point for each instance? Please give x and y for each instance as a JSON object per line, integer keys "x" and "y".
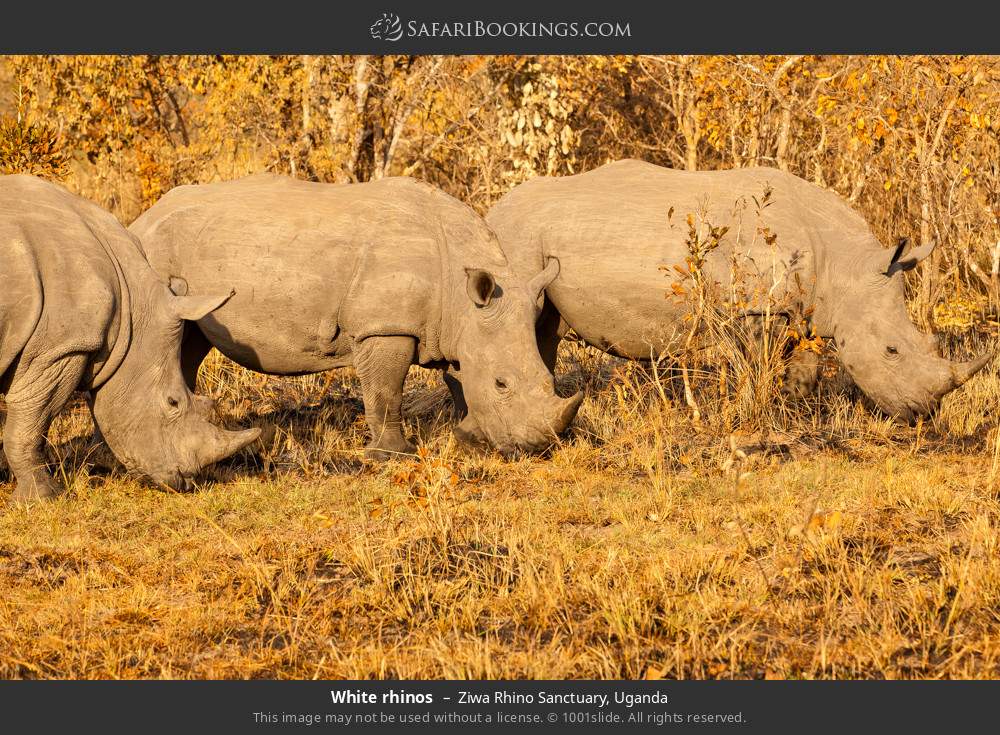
{"x": 380, "y": 276}
{"x": 80, "y": 309}
{"x": 611, "y": 232}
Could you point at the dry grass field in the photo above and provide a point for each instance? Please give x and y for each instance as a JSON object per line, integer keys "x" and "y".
{"x": 825, "y": 543}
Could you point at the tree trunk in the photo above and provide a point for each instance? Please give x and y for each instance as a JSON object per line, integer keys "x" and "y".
{"x": 361, "y": 86}
{"x": 784, "y": 129}
{"x": 308, "y": 81}
{"x": 925, "y": 158}
{"x": 691, "y": 154}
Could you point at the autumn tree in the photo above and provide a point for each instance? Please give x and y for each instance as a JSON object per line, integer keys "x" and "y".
{"x": 912, "y": 142}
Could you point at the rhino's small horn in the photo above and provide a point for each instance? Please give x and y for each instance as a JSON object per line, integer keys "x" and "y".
{"x": 541, "y": 281}
{"x": 962, "y": 371}
{"x": 227, "y": 444}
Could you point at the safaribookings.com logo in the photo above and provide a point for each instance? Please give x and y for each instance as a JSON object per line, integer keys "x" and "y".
{"x": 387, "y": 28}
{"x": 390, "y": 28}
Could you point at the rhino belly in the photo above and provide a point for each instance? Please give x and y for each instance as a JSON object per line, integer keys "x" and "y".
{"x": 266, "y": 344}
{"x": 618, "y": 307}
{"x": 288, "y": 286}
{"x": 277, "y": 327}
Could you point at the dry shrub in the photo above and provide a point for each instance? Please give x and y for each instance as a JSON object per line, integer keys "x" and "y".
{"x": 728, "y": 361}
{"x": 30, "y": 147}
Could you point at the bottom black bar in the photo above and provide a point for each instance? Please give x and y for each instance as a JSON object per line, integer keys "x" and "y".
{"x": 486, "y": 706}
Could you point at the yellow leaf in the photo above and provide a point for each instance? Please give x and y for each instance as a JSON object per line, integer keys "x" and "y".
{"x": 653, "y": 673}
{"x": 718, "y": 668}
{"x": 826, "y": 520}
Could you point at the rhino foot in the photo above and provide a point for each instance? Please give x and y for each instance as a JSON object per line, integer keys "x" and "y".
{"x": 387, "y": 449}
{"x": 35, "y": 489}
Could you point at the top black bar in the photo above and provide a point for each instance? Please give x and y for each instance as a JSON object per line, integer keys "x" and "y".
{"x": 509, "y": 26}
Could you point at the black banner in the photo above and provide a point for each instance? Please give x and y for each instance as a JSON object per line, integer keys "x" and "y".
{"x": 470, "y": 707}
{"x": 511, "y": 27}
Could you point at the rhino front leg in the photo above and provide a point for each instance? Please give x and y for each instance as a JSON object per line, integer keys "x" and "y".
{"x": 382, "y": 364}
{"x": 34, "y": 399}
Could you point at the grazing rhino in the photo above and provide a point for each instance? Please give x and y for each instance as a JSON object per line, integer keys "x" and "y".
{"x": 380, "y": 276}
{"x": 80, "y": 308}
{"x": 613, "y": 228}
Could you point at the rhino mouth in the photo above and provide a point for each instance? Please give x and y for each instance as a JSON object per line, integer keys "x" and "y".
{"x": 177, "y": 481}
{"x": 912, "y": 415}
{"x": 185, "y": 484}
{"x": 469, "y": 434}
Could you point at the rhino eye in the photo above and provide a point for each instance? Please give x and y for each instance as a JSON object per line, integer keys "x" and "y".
{"x": 892, "y": 350}
{"x": 172, "y": 402}
{"x": 500, "y": 384}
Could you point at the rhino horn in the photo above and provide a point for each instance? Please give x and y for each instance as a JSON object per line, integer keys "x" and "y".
{"x": 962, "y": 371}
{"x": 566, "y": 412}
{"x": 226, "y": 444}
{"x": 538, "y": 284}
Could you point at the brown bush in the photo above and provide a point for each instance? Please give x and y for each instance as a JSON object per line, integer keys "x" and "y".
{"x": 30, "y": 148}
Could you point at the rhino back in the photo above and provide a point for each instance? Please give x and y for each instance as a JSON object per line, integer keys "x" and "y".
{"x": 314, "y": 266}
{"x": 60, "y": 288}
{"x": 618, "y": 229}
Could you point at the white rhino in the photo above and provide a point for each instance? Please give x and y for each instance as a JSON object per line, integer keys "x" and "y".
{"x": 80, "y": 309}
{"x": 380, "y": 276}
{"x": 615, "y": 227}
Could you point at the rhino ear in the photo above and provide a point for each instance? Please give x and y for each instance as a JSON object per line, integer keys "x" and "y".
{"x": 900, "y": 264}
{"x": 480, "y": 285}
{"x": 193, "y": 308}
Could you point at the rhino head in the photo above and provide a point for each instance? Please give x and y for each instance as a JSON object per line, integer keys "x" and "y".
{"x": 895, "y": 364}
{"x": 150, "y": 419}
{"x": 509, "y": 391}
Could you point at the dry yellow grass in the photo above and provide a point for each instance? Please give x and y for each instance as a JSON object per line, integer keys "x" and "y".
{"x": 836, "y": 544}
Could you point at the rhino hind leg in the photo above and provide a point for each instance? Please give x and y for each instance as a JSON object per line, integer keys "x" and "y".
{"x": 33, "y": 401}
{"x": 382, "y": 364}
{"x": 194, "y": 349}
